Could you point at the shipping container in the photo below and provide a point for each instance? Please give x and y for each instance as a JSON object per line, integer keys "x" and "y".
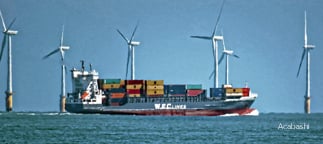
{"x": 111, "y": 81}
{"x": 154, "y": 92}
{"x": 233, "y": 90}
{"x": 131, "y": 82}
{"x": 216, "y": 92}
{"x": 194, "y": 86}
{"x": 122, "y": 83}
{"x": 155, "y": 87}
{"x": 134, "y": 95}
{"x": 194, "y": 92}
{"x": 245, "y": 91}
{"x": 134, "y": 86}
{"x": 110, "y": 86}
{"x": 117, "y": 95}
{"x": 154, "y": 82}
{"x": 116, "y": 90}
{"x": 134, "y": 91}
{"x": 174, "y": 90}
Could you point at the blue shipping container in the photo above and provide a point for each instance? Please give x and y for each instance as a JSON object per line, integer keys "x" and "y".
{"x": 217, "y": 92}
{"x": 176, "y": 89}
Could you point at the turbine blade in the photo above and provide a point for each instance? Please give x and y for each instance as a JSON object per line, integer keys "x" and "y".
{"x": 305, "y": 29}
{"x": 218, "y": 19}
{"x": 53, "y": 52}
{"x": 223, "y": 43}
{"x": 133, "y": 33}
{"x": 235, "y": 56}
{"x": 300, "y": 65}
{"x": 12, "y": 22}
{"x": 202, "y": 37}
{"x": 3, "y": 45}
{"x": 3, "y": 23}
{"x": 62, "y": 36}
{"x": 222, "y": 57}
{"x": 62, "y": 54}
{"x": 123, "y": 36}
{"x": 211, "y": 75}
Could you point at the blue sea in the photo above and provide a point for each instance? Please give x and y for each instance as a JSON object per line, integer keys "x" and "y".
{"x": 30, "y": 127}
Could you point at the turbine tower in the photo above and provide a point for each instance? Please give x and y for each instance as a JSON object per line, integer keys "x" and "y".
{"x": 7, "y": 39}
{"x": 62, "y": 50}
{"x": 215, "y": 40}
{"x": 131, "y": 51}
{"x": 307, "y": 49}
{"x": 227, "y": 53}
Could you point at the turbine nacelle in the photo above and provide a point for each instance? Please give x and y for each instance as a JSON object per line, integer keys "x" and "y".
{"x": 134, "y": 43}
{"x": 217, "y": 37}
{"x": 11, "y": 32}
{"x": 228, "y": 52}
{"x": 309, "y": 46}
{"x": 64, "y": 48}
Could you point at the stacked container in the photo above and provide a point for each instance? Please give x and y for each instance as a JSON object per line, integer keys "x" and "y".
{"x": 194, "y": 89}
{"x": 135, "y": 87}
{"x": 106, "y": 84}
{"x": 236, "y": 91}
{"x": 175, "y": 90}
{"x": 217, "y": 92}
{"x": 154, "y": 88}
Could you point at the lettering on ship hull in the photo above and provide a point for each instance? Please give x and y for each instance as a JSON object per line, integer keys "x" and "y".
{"x": 169, "y": 106}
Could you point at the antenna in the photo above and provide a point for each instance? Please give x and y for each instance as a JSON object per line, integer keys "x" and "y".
{"x": 83, "y": 67}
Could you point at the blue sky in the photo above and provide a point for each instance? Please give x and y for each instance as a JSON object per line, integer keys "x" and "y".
{"x": 267, "y": 35}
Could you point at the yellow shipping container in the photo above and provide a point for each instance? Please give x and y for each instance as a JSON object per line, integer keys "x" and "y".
{"x": 155, "y": 87}
{"x": 134, "y": 95}
{"x": 122, "y": 82}
{"x": 135, "y": 86}
{"x": 154, "y": 92}
{"x": 155, "y": 82}
{"x": 233, "y": 90}
{"x": 109, "y": 86}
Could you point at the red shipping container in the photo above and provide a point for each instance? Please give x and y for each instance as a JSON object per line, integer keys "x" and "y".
{"x": 134, "y": 91}
{"x": 245, "y": 91}
{"x": 135, "y": 82}
{"x": 194, "y": 92}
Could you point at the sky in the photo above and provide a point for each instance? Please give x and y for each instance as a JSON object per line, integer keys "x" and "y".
{"x": 267, "y": 35}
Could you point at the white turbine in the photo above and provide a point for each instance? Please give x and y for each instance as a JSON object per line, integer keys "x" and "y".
{"x": 62, "y": 50}
{"x": 7, "y": 38}
{"x": 131, "y": 52}
{"x": 307, "y": 49}
{"x": 227, "y": 53}
{"x": 215, "y": 40}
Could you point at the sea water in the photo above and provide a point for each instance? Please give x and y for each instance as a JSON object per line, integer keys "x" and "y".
{"x": 29, "y": 127}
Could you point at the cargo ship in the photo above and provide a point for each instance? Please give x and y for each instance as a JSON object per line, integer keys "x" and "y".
{"x": 91, "y": 94}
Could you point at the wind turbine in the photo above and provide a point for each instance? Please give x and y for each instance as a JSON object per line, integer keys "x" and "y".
{"x": 307, "y": 49}
{"x": 227, "y": 53}
{"x": 131, "y": 51}
{"x": 215, "y": 40}
{"x": 7, "y": 39}
{"x": 62, "y": 50}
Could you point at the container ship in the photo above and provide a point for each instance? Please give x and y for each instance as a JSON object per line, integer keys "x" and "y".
{"x": 91, "y": 94}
